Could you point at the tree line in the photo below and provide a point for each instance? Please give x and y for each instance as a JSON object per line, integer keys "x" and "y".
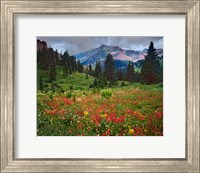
{"x": 151, "y": 71}
{"x": 48, "y": 59}
{"x": 109, "y": 75}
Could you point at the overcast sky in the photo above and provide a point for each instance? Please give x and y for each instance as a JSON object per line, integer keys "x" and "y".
{"x": 76, "y": 44}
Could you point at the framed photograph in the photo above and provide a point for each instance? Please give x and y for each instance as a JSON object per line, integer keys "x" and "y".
{"x": 101, "y": 89}
{"x": 99, "y": 86}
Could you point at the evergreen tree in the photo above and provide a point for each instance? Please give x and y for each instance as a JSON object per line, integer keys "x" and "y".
{"x": 97, "y": 70}
{"x": 120, "y": 74}
{"x": 79, "y": 67}
{"x": 56, "y": 57}
{"x": 149, "y": 74}
{"x": 110, "y": 69}
{"x": 70, "y": 70}
{"x": 74, "y": 65}
{"x": 159, "y": 69}
{"x": 95, "y": 83}
{"x": 130, "y": 72}
{"x": 90, "y": 70}
{"x": 101, "y": 82}
{"x": 52, "y": 65}
{"x": 136, "y": 77}
{"x": 40, "y": 83}
{"x": 69, "y": 63}
{"x": 43, "y": 58}
{"x": 86, "y": 74}
{"x": 65, "y": 58}
{"x": 39, "y": 56}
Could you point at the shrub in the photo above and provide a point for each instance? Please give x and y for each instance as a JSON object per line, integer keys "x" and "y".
{"x": 74, "y": 98}
{"x": 71, "y": 87}
{"x": 91, "y": 86}
{"x": 94, "y": 90}
{"x": 106, "y": 93}
{"x": 69, "y": 94}
{"x": 123, "y": 84}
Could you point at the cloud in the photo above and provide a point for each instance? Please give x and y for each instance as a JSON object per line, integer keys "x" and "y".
{"x": 76, "y": 44}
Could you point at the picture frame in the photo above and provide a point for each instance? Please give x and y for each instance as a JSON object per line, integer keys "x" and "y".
{"x": 11, "y": 8}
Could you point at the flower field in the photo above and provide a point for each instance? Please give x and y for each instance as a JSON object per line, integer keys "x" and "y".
{"x": 125, "y": 111}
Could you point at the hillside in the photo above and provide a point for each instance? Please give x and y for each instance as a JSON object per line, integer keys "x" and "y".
{"x": 76, "y": 80}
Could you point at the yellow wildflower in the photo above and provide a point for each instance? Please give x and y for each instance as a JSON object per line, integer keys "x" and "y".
{"x": 104, "y": 115}
{"x": 131, "y": 131}
{"x": 86, "y": 113}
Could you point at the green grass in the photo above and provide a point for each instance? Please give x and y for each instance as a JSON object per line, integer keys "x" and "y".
{"x": 79, "y": 85}
{"x": 75, "y": 81}
{"x": 70, "y": 108}
{"x": 126, "y": 112}
{"x": 106, "y": 93}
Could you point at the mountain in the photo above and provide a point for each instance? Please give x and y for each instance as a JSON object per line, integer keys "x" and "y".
{"x": 121, "y": 56}
{"x": 41, "y": 45}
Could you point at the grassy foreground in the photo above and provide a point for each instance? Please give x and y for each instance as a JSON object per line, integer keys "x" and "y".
{"x": 73, "y": 109}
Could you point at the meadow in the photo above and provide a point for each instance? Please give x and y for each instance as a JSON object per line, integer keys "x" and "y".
{"x": 69, "y": 107}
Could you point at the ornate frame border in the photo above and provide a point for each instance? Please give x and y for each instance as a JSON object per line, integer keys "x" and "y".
{"x": 10, "y": 8}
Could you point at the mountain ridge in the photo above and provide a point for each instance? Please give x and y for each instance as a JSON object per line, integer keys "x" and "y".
{"x": 91, "y": 56}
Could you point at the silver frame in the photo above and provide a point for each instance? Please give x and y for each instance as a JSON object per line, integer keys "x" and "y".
{"x": 11, "y": 8}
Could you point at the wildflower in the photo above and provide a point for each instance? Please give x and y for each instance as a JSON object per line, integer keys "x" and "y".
{"x": 86, "y": 113}
{"x": 79, "y": 100}
{"x": 66, "y": 101}
{"x": 131, "y": 131}
{"x": 141, "y": 117}
{"x": 159, "y": 115}
{"x": 104, "y": 115}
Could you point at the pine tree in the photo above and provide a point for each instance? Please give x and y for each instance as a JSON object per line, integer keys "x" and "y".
{"x": 40, "y": 83}
{"x": 79, "y": 67}
{"x": 86, "y": 74}
{"x": 74, "y": 65}
{"x": 97, "y": 70}
{"x": 65, "y": 62}
{"x": 148, "y": 72}
{"x": 130, "y": 72}
{"x": 136, "y": 77}
{"x": 95, "y": 83}
{"x": 159, "y": 69}
{"x": 52, "y": 65}
{"x": 56, "y": 57}
{"x": 70, "y": 70}
{"x": 120, "y": 74}
{"x": 44, "y": 58}
{"x": 90, "y": 70}
{"x": 101, "y": 82}
{"x": 110, "y": 69}
{"x": 39, "y": 53}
